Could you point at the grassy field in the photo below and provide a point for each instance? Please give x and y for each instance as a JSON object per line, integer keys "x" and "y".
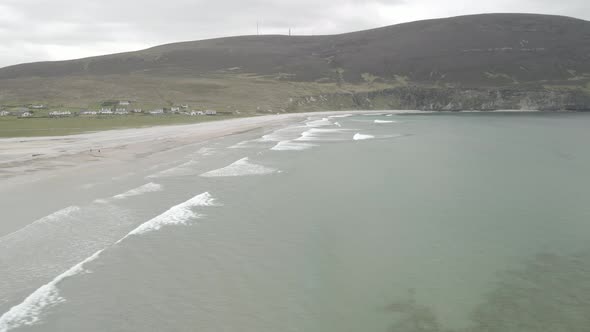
{"x": 17, "y": 127}
{"x": 230, "y": 96}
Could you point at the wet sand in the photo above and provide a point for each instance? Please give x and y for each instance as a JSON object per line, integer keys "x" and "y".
{"x": 35, "y": 156}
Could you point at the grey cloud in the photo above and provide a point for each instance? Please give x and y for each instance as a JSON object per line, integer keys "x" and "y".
{"x": 33, "y": 30}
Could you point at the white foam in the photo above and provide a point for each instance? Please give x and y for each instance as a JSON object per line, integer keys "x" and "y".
{"x": 31, "y": 309}
{"x": 340, "y": 116}
{"x": 283, "y": 134}
{"x": 360, "y": 137}
{"x": 292, "y": 146}
{"x": 55, "y": 216}
{"x": 243, "y": 145}
{"x": 384, "y": 121}
{"x": 374, "y": 114}
{"x": 240, "y": 168}
{"x": 146, "y": 188}
{"x": 389, "y": 115}
{"x": 180, "y": 214}
{"x": 319, "y": 123}
{"x": 321, "y": 134}
{"x": 180, "y": 170}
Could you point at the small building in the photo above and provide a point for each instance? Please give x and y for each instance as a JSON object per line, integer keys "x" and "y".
{"x": 121, "y": 111}
{"x": 60, "y": 113}
{"x": 26, "y": 114}
{"x": 210, "y": 112}
{"x": 158, "y": 111}
{"x": 184, "y": 106}
{"x": 137, "y": 110}
{"x": 124, "y": 103}
{"x": 88, "y": 113}
{"x": 5, "y": 113}
{"x": 105, "y": 110}
{"x": 195, "y": 112}
{"x": 174, "y": 109}
{"x": 38, "y": 107}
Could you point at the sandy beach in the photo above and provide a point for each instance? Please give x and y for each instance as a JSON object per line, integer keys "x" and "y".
{"x": 36, "y": 156}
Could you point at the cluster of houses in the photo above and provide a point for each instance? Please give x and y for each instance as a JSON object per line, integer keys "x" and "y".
{"x": 120, "y": 109}
{"x": 22, "y": 112}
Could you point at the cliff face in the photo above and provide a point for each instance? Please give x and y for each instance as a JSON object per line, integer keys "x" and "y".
{"x": 453, "y": 99}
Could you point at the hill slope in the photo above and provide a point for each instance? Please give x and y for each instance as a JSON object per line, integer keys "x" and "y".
{"x": 512, "y": 57}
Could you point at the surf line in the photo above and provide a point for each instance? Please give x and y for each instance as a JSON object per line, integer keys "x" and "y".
{"x": 30, "y": 310}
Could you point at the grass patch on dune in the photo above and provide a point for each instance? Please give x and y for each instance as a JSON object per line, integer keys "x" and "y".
{"x": 16, "y": 127}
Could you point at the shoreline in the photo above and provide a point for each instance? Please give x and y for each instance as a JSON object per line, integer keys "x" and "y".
{"x": 27, "y": 159}
{"x": 31, "y": 155}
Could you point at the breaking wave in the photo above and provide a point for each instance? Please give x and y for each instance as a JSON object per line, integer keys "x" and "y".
{"x": 384, "y": 121}
{"x": 180, "y": 214}
{"x": 374, "y": 114}
{"x": 360, "y": 137}
{"x": 240, "y": 168}
{"x": 319, "y": 123}
{"x": 55, "y": 216}
{"x": 244, "y": 145}
{"x": 180, "y": 170}
{"x": 283, "y": 134}
{"x": 30, "y": 310}
{"x": 321, "y": 134}
{"x": 292, "y": 146}
{"x": 146, "y": 188}
{"x": 340, "y": 116}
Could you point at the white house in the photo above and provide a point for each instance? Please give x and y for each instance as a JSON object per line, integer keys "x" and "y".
{"x": 175, "y": 109}
{"x": 210, "y": 112}
{"x": 88, "y": 113}
{"x": 124, "y": 102}
{"x": 137, "y": 110}
{"x": 121, "y": 111}
{"x": 26, "y": 115}
{"x": 60, "y": 113}
{"x": 37, "y": 106}
{"x": 4, "y": 113}
{"x": 105, "y": 110}
{"x": 157, "y": 111}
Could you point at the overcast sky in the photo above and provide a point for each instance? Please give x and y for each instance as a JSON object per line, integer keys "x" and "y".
{"x": 35, "y": 30}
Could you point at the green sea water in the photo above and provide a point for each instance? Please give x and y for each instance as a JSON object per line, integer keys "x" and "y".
{"x": 438, "y": 222}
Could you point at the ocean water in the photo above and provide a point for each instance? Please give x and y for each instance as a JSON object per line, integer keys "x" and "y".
{"x": 438, "y": 222}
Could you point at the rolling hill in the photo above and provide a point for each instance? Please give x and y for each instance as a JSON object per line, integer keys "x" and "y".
{"x": 490, "y": 61}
